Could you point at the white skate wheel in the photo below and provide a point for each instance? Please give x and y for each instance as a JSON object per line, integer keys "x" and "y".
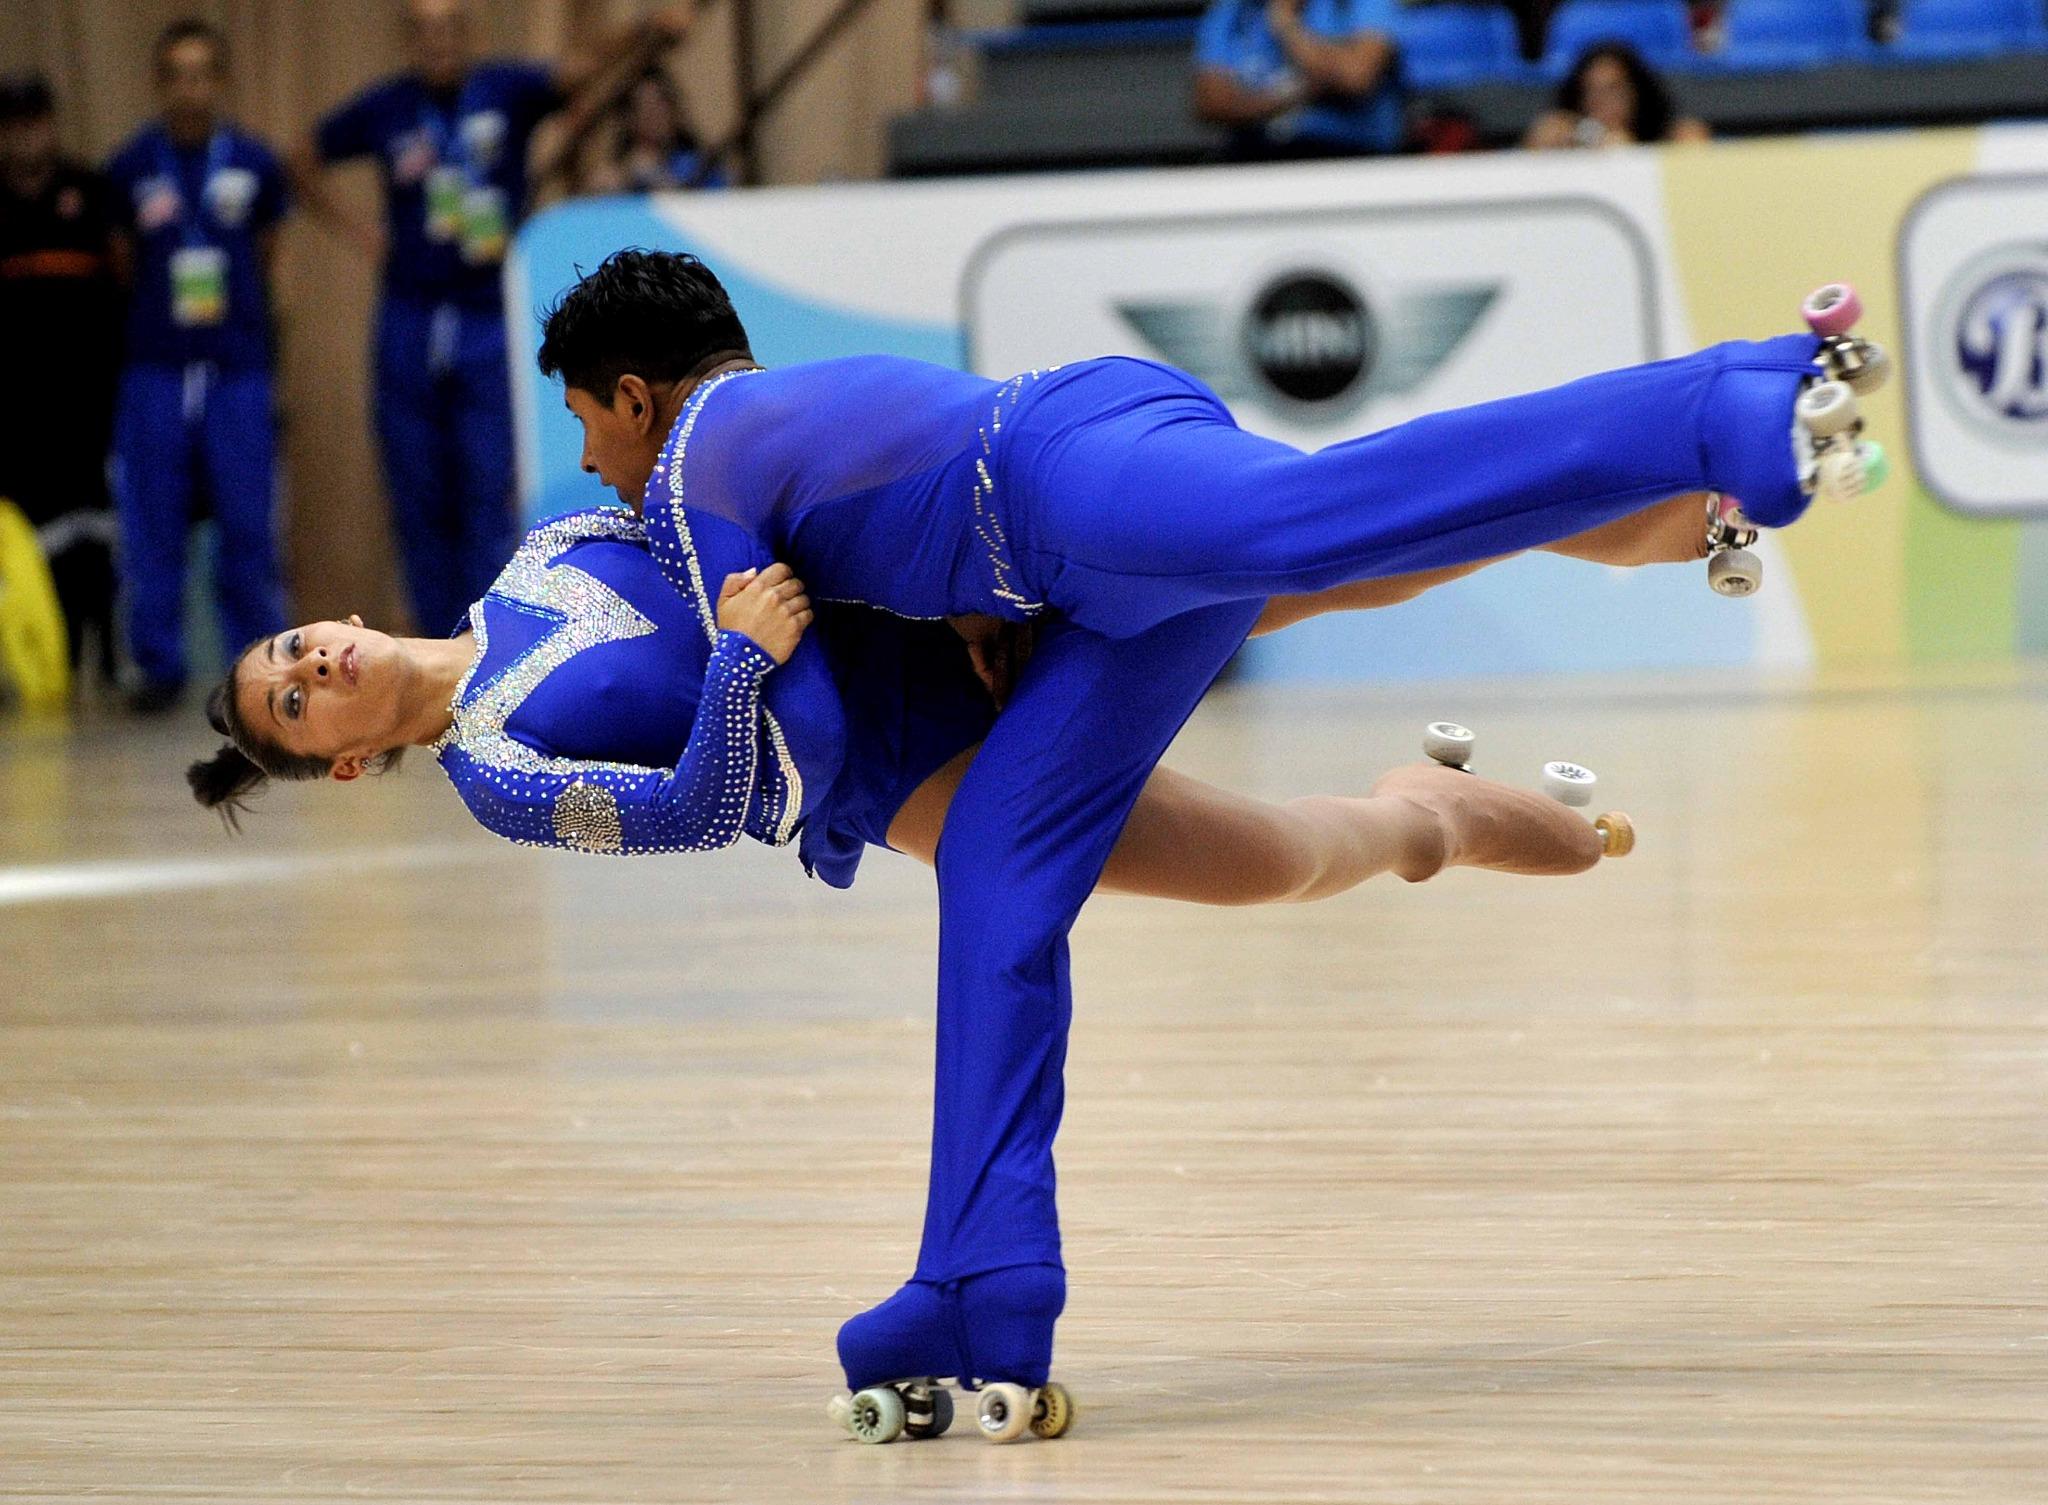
{"x": 1449, "y": 743}
{"x": 1873, "y": 373}
{"x": 1833, "y": 309}
{"x": 1735, "y": 572}
{"x": 1568, "y": 783}
{"x": 1004, "y": 1412}
{"x": 1052, "y": 1412}
{"x": 1827, "y": 408}
{"x": 876, "y": 1415}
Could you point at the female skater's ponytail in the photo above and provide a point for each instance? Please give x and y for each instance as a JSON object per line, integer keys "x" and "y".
{"x": 225, "y": 781}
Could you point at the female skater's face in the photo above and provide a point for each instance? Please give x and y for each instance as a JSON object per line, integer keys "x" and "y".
{"x": 622, "y": 438}
{"x": 326, "y": 690}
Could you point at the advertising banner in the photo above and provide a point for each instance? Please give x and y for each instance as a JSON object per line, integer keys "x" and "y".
{"x": 1324, "y": 301}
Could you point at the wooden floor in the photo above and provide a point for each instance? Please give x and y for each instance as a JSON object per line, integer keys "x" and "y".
{"x": 370, "y": 1158}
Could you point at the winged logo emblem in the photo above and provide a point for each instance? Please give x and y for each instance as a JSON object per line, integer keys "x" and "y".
{"x": 1309, "y": 341}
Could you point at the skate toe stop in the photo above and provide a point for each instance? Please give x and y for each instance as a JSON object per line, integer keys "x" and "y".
{"x": 1617, "y": 833}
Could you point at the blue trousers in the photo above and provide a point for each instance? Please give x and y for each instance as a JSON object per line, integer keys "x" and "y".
{"x": 1154, "y": 530}
{"x": 176, "y": 428}
{"x": 444, "y": 422}
{"x": 1132, "y": 496}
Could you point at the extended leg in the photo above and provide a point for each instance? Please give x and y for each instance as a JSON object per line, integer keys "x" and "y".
{"x": 1669, "y": 532}
{"x": 1131, "y": 501}
{"x": 1196, "y": 843}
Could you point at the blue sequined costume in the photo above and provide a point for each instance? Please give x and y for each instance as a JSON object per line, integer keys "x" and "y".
{"x": 1118, "y": 503}
{"x": 600, "y": 715}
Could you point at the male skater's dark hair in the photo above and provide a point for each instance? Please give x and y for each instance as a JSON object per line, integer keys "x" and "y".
{"x": 658, "y": 315}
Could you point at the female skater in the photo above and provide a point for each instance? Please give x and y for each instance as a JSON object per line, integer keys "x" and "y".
{"x": 1114, "y": 503}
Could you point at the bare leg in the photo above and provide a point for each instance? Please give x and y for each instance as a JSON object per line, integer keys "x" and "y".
{"x": 1194, "y": 842}
{"x": 1670, "y": 532}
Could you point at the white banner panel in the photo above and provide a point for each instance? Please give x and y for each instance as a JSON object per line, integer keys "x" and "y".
{"x": 1973, "y": 270}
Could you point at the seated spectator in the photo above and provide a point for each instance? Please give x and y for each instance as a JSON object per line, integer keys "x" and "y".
{"x": 647, "y": 144}
{"x": 1300, "y": 78}
{"x": 1612, "y": 98}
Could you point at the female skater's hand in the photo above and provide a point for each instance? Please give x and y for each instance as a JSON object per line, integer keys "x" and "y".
{"x": 769, "y": 606}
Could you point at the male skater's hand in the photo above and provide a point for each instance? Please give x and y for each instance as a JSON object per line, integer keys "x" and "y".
{"x": 769, "y": 606}
{"x": 999, "y": 650}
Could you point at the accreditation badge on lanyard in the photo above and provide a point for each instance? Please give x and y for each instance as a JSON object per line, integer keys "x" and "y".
{"x": 199, "y": 270}
{"x": 462, "y": 208}
{"x": 445, "y": 188}
{"x": 485, "y": 226}
{"x": 199, "y": 286}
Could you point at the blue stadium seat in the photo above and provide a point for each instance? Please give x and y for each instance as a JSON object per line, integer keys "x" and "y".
{"x": 1444, "y": 45}
{"x": 1659, "y": 29}
{"x": 1761, "y": 34}
{"x": 1964, "y": 28}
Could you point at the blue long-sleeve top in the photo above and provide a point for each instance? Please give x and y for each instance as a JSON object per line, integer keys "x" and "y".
{"x": 605, "y": 712}
{"x": 590, "y": 669}
{"x": 874, "y": 475}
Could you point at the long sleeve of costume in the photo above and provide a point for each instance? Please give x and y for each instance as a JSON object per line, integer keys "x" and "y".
{"x": 700, "y": 805}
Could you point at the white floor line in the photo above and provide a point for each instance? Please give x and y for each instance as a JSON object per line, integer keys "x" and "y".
{"x": 126, "y": 877}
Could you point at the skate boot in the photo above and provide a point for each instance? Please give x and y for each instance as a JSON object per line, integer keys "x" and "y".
{"x": 1830, "y": 458}
{"x": 1572, "y": 784}
{"x": 901, "y": 1356}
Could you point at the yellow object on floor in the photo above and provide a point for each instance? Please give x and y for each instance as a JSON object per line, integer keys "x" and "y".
{"x": 33, "y": 655}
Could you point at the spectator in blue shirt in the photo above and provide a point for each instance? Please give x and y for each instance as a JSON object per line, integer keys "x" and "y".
{"x": 197, "y": 200}
{"x": 1301, "y": 78}
{"x": 450, "y": 138}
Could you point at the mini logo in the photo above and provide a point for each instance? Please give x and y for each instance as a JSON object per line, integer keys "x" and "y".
{"x": 1310, "y": 337}
{"x": 1993, "y": 321}
{"x": 1307, "y": 345}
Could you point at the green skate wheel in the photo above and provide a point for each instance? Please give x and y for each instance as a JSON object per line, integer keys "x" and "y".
{"x": 1877, "y": 466}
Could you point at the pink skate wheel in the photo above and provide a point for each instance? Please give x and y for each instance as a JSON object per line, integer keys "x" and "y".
{"x": 1833, "y": 309}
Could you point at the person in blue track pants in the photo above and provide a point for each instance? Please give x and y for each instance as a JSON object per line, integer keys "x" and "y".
{"x": 450, "y": 139}
{"x": 198, "y": 200}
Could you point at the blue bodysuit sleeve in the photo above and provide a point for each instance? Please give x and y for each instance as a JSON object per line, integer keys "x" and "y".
{"x": 700, "y": 805}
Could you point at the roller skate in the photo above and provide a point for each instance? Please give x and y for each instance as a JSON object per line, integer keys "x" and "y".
{"x": 902, "y": 1356}
{"x": 1571, "y": 784}
{"x": 1831, "y": 459}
